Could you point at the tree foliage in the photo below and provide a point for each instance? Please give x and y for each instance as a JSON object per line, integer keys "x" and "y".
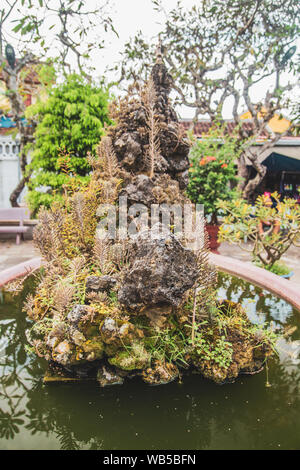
{"x": 71, "y": 123}
{"x": 68, "y": 31}
{"x": 243, "y": 221}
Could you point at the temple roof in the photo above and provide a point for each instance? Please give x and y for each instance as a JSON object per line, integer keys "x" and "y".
{"x": 201, "y": 128}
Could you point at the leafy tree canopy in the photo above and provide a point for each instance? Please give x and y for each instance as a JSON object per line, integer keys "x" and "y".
{"x": 218, "y": 53}
{"x": 215, "y": 50}
{"x": 70, "y": 124}
{"x": 68, "y": 31}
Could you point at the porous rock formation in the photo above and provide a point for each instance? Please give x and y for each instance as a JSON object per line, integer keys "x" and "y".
{"x": 112, "y": 309}
{"x": 160, "y": 272}
{"x": 130, "y": 138}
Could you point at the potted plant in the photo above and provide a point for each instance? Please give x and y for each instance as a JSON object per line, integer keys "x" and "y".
{"x": 270, "y": 228}
{"x": 212, "y": 172}
{"x": 279, "y": 268}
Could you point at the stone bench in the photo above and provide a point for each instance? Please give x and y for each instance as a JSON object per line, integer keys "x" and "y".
{"x": 13, "y": 214}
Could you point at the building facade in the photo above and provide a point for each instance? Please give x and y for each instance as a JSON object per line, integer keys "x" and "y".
{"x": 10, "y": 172}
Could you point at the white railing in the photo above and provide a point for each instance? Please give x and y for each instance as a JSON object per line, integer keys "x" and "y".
{"x": 9, "y": 147}
{"x": 10, "y": 172}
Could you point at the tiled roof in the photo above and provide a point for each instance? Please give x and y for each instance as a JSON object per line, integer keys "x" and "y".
{"x": 202, "y": 127}
{"x": 4, "y": 131}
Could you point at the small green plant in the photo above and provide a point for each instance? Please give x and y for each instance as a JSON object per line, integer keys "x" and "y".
{"x": 212, "y": 170}
{"x": 264, "y": 335}
{"x": 44, "y": 326}
{"x": 279, "y": 268}
{"x": 218, "y": 350}
{"x": 168, "y": 345}
{"x": 270, "y": 230}
{"x": 30, "y": 350}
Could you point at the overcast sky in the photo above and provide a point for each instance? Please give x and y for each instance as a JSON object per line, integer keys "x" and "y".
{"x": 130, "y": 16}
{"x": 133, "y": 15}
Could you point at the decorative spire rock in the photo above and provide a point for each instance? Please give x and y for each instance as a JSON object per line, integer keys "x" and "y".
{"x": 131, "y": 137}
{"x": 161, "y": 78}
{"x": 159, "y": 53}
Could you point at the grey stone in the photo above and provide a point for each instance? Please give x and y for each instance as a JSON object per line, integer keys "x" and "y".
{"x": 99, "y": 283}
{"x": 109, "y": 325}
{"x": 77, "y": 312}
{"x": 63, "y": 352}
{"x": 77, "y": 337}
{"x": 178, "y": 162}
{"x": 106, "y": 377}
{"x": 140, "y": 190}
{"x": 183, "y": 179}
{"x": 161, "y": 270}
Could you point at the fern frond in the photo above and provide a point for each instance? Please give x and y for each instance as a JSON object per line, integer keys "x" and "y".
{"x": 63, "y": 295}
{"x": 93, "y": 161}
{"x": 207, "y": 279}
{"x": 108, "y": 158}
{"x": 102, "y": 255}
{"x": 78, "y": 204}
{"x": 75, "y": 267}
{"x": 153, "y": 153}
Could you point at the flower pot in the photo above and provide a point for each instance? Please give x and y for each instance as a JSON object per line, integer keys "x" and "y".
{"x": 287, "y": 276}
{"x": 213, "y": 231}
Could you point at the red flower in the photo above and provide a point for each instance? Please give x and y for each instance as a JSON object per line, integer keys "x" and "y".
{"x": 224, "y": 165}
{"x": 207, "y": 159}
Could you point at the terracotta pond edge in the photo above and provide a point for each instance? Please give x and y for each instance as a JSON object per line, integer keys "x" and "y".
{"x": 19, "y": 270}
{"x": 283, "y": 288}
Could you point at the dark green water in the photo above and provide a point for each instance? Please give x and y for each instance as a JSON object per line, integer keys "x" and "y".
{"x": 194, "y": 415}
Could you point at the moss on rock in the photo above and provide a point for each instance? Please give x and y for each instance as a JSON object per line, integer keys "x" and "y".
{"x": 135, "y": 357}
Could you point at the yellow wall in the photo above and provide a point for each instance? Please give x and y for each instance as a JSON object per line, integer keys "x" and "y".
{"x": 37, "y": 91}
{"x": 4, "y": 101}
{"x": 276, "y": 124}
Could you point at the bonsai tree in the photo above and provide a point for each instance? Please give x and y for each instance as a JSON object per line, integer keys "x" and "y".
{"x": 212, "y": 170}
{"x": 70, "y": 122}
{"x": 272, "y": 230}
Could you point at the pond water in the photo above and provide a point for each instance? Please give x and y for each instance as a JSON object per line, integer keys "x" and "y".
{"x": 194, "y": 415}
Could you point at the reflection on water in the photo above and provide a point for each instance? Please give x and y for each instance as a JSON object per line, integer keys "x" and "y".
{"x": 195, "y": 415}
